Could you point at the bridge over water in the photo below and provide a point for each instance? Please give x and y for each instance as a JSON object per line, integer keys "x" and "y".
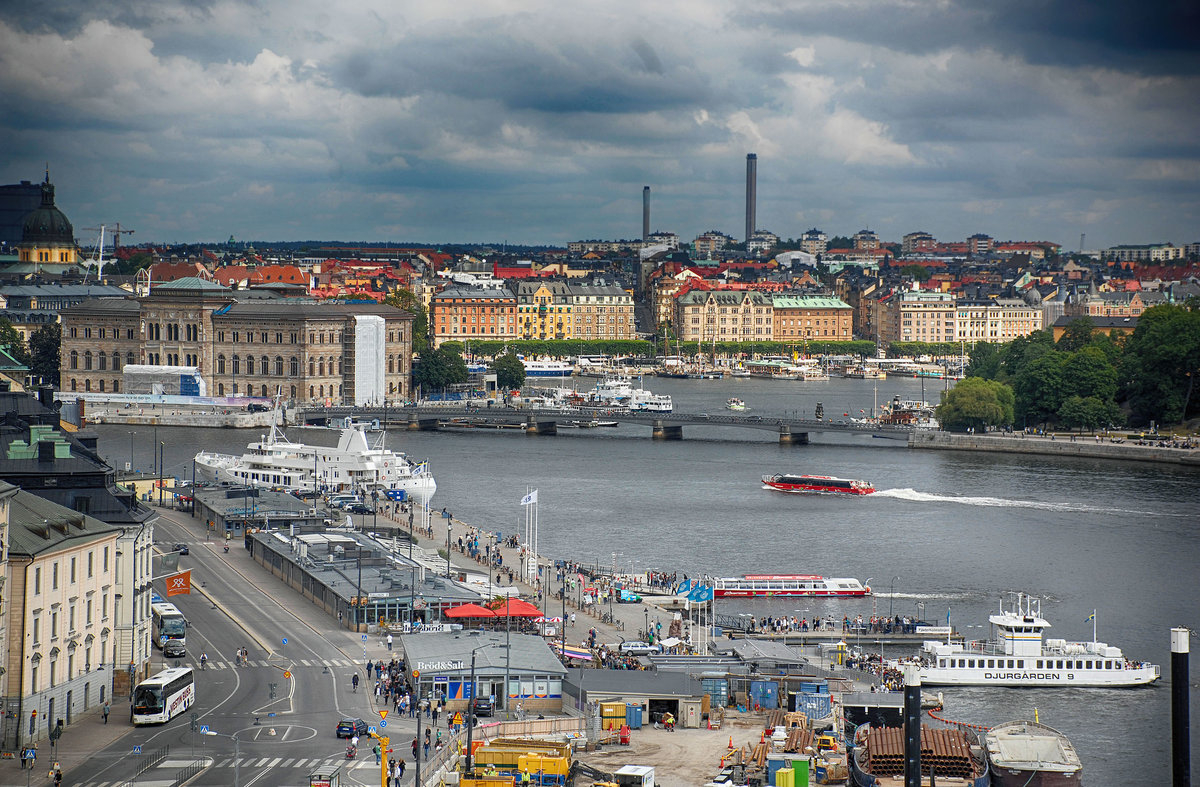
{"x": 663, "y": 426}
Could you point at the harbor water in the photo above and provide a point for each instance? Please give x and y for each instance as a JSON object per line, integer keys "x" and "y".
{"x": 947, "y": 534}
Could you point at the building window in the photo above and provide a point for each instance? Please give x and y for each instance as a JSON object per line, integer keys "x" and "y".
{"x": 37, "y": 580}
{"x": 54, "y": 577}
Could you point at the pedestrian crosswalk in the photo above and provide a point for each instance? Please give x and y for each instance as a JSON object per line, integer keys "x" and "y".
{"x": 165, "y": 772}
{"x": 194, "y": 663}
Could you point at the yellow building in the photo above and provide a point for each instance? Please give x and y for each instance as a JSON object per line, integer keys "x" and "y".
{"x": 46, "y": 234}
{"x": 60, "y": 612}
{"x": 543, "y": 310}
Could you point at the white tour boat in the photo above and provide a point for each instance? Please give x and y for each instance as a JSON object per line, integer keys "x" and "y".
{"x": 541, "y": 368}
{"x": 352, "y": 465}
{"x": 767, "y": 585}
{"x": 1018, "y": 656}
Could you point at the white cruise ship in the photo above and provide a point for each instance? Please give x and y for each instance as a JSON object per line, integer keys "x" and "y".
{"x": 1018, "y": 656}
{"x": 353, "y": 465}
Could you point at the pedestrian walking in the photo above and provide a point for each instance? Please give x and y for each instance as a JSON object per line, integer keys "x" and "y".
{"x": 389, "y": 641}
{"x": 378, "y": 754}
{"x": 369, "y": 665}
{"x": 106, "y": 710}
{"x": 414, "y": 747}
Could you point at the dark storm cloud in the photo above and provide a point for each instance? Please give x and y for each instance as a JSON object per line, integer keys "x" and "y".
{"x": 543, "y": 76}
{"x": 67, "y": 17}
{"x": 1153, "y": 37}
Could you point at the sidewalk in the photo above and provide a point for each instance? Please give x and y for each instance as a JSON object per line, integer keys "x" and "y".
{"x": 86, "y": 735}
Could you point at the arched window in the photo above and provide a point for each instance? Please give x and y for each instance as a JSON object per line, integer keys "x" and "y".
{"x": 322, "y": 391}
{"x": 279, "y": 366}
{"x": 293, "y": 392}
{"x": 129, "y": 358}
{"x": 312, "y": 369}
{"x": 237, "y": 366}
{"x": 264, "y": 365}
{"x": 249, "y": 364}
{"x": 116, "y": 361}
{"x": 221, "y": 364}
{"x": 101, "y": 382}
{"x": 87, "y": 384}
{"x": 74, "y": 385}
{"x": 87, "y": 361}
{"x": 391, "y": 364}
{"x": 294, "y": 370}
{"x": 220, "y": 389}
{"x": 102, "y": 360}
{"x": 321, "y": 369}
{"x": 311, "y": 391}
{"x": 74, "y": 361}
{"x": 264, "y": 391}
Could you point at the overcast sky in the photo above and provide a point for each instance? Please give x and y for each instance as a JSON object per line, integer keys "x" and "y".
{"x": 539, "y": 122}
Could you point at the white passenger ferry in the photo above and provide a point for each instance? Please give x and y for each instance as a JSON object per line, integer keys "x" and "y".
{"x": 1018, "y": 656}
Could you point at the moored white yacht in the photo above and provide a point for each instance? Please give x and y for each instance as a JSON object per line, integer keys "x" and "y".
{"x": 352, "y": 465}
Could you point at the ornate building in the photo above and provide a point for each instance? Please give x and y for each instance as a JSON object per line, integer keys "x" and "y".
{"x": 312, "y": 351}
{"x": 46, "y": 234}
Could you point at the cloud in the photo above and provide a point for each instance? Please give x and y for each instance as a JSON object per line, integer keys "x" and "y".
{"x": 539, "y": 122}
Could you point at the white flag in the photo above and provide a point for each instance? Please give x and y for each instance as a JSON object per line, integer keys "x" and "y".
{"x": 530, "y": 498}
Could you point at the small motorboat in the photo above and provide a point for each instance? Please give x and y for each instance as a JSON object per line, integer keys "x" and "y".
{"x": 734, "y": 403}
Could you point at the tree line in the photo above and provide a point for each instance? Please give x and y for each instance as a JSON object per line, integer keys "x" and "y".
{"x": 1087, "y": 379}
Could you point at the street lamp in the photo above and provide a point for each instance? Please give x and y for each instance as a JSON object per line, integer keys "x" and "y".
{"x": 891, "y": 598}
{"x": 469, "y": 770}
{"x": 237, "y": 771}
{"x": 449, "y": 527}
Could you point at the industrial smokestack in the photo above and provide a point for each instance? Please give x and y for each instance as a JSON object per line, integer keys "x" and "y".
{"x": 751, "y": 192}
{"x": 645, "y": 212}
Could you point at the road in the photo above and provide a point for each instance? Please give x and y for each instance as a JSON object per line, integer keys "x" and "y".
{"x": 280, "y": 741}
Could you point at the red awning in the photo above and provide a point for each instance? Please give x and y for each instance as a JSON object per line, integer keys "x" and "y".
{"x": 470, "y": 611}
{"x": 516, "y": 608}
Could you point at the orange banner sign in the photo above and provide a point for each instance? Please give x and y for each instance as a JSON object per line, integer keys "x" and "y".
{"x": 180, "y": 583}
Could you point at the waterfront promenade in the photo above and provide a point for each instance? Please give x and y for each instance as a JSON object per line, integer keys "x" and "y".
{"x": 1168, "y": 450}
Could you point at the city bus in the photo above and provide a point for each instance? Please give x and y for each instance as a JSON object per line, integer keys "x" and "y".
{"x": 169, "y": 623}
{"x": 162, "y": 697}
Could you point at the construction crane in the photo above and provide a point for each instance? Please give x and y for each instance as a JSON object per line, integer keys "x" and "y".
{"x": 117, "y": 233}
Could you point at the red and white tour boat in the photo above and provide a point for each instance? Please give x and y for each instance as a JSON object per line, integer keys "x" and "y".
{"x": 761, "y": 585}
{"x": 787, "y": 482}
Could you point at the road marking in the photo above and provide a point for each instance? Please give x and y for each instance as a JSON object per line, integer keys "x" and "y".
{"x": 275, "y": 762}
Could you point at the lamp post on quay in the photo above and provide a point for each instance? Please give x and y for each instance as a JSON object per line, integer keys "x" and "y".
{"x": 891, "y": 598}
{"x": 449, "y": 527}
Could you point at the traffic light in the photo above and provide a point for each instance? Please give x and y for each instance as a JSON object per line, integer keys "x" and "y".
{"x": 354, "y": 601}
{"x": 273, "y": 687}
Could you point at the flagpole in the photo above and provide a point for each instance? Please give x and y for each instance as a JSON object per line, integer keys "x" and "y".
{"x": 1093, "y": 629}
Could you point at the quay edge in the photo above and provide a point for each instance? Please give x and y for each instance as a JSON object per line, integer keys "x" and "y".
{"x": 1030, "y": 444}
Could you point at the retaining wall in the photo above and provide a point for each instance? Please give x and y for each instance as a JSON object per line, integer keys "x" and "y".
{"x": 1061, "y": 446}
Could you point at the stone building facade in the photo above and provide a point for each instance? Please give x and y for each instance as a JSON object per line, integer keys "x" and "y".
{"x": 312, "y": 352}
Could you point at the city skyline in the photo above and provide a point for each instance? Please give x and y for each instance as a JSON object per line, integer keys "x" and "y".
{"x": 535, "y": 123}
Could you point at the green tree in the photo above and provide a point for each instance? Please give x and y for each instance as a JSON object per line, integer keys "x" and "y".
{"x": 986, "y": 361}
{"x": 1077, "y": 335}
{"x": 1089, "y": 373}
{"x": 10, "y": 338}
{"x": 405, "y": 299}
{"x": 976, "y": 403}
{"x": 1160, "y": 363}
{"x": 438, "y": 369}
{"x": 917, "y": 272}
{"x": 510, "y": 372}
{"x": 44, "y": 350}
{"x": 1039, "y": 389}
{"x": 1089, "y": 412}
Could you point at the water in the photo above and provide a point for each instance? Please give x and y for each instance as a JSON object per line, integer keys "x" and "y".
{"x": 947, "y": 532}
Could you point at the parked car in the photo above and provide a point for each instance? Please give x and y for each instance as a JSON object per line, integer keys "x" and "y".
{"x": 639, "y": 648}
{"x": 181, "y": 548}
{"x": 348, "y": 728}
{"x": 359, "y": 508}
{"x": 483, "y": 706}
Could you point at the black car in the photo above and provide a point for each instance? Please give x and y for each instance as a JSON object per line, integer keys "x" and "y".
{"x": 348, "y": 728}
{"x": 482, "y": 706}
{"x": 359, "y": 508}
{"x": 181, "y": 549}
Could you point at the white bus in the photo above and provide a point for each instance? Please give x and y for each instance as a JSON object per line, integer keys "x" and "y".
{"x": 163, "y": 697}
{"x": 169, "y": 623}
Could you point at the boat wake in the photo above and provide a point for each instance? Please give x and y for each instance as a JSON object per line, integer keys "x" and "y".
{"x": 1000, "y": 502}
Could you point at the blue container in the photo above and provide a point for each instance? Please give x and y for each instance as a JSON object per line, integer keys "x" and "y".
{"x": 764, "y": 694}
{"x": 633, "y": 716}
{"x": 814, "y": 706}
